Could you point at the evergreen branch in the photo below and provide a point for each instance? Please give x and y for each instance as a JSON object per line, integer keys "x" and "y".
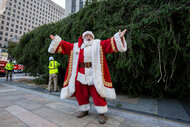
{"x": 164, "y": 74}
{"x": 175, "y": 57}
{"x": 159, "y": 63}
{"x": 182, "y": 6}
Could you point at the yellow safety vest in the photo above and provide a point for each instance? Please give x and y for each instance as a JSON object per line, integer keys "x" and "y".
{"x": 53, "y": 65}
{"x": 9, "y": 66}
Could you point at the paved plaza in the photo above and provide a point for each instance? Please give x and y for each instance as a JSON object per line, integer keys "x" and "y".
{"x": 20, "y": 107}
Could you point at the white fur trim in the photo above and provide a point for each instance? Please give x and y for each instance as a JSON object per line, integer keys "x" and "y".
{"x": 85, "y": 80}
{"x": 110, "y": 93}
{"x": 81, "y": 78}
{"x": 85, "y": 107}
{"x": 97, "y": 73}
{"x": 87, "y": 32}
{"x": 101, "y": 109}
{"x": 54, "y": 44}
{"x": 70, "y": 89}
{"x": 119, "y": 43}
{"x": 64, "y": 93}
{"x": 74, "y": 70}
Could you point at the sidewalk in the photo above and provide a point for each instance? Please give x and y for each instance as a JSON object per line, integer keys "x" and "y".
{"x": 167, "y": 108}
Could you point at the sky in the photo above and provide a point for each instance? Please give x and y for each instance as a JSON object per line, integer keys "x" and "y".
{"x": 60, "y": 2}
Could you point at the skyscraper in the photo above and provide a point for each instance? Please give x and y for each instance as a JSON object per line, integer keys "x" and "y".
{"x": 21, "y": 16}
{"x": 72, "y": 6}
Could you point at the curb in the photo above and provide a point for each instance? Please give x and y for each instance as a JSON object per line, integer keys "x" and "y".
{"x": 39, "y": 89}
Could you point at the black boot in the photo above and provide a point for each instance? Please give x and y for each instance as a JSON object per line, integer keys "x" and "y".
{"x": 82, "y": 114}
{"x": 101, "y": 118}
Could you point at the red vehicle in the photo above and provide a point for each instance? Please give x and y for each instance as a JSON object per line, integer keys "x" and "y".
{"x": 18, "y": 68}
{"x": 2, "y": 67}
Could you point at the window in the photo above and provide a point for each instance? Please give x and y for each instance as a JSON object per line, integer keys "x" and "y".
{"x": 73, "y": 9}
{"x": 0, "y": 39}
{"x": 5, "y": 39}
{"x": 2, "y": 22}
{"x": 8, "y": 18}
{"x": 7, "y": 23}
{"x": 9, "y": 13}
{"x": 1, "y": 32}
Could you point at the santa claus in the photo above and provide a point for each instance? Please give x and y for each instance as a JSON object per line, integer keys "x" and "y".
{"x": 87, "y": 73}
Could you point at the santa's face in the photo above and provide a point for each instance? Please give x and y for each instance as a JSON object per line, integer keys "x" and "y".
{"x": 88, "y": 37}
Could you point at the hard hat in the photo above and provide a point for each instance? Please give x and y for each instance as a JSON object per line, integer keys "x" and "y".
{"x": 50, "y": 58}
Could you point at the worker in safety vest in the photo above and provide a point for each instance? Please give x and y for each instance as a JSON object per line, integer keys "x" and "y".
{"x": 53, "y": 70}
{"x": 9, "y": 69}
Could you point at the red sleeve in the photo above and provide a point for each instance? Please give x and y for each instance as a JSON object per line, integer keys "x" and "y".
{"x": 109, "y": 45}
{"x": 66, "y": 47}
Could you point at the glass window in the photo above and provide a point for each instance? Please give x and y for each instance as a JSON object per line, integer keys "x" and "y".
{"x": 7, "y": 23}
{"x": 8, "y": 18}
{"x": 2, "y": 22}
{"x": 0, "y": 39}
{"x": 1, "y": 32}
{"x": 73, "y": 9}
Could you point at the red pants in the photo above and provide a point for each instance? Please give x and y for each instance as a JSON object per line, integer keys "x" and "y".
{"x": 83, "y": 93}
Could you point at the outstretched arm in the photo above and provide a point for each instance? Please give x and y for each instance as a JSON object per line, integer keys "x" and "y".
{"x": 59, "y": 46}
{"x": 116, "y": 43}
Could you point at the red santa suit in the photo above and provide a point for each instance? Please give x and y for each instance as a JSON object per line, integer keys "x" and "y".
{"x": 93, "y": 77}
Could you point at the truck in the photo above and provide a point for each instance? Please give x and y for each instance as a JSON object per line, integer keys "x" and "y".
{"x": 18, "y": 68}
{"x": 3, "y": 62}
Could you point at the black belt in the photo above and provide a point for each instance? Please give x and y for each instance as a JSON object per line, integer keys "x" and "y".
{"x": 87, "y": 64}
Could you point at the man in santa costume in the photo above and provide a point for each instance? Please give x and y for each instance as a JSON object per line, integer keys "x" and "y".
{"x": 87, "y": 73}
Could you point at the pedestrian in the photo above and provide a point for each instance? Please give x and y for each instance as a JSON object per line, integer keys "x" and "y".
{"x": 53, "y": 70}
{"x": 9, "y": 70}
{"x": 87, "y": 73}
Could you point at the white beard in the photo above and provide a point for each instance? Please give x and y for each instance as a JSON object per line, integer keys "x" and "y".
{"x": 86, "y": 43}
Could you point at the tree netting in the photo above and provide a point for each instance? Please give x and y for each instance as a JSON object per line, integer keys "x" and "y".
{"x": 157, "y": 62}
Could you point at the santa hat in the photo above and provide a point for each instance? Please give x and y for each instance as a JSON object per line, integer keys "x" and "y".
{"x": 87, "y": 32}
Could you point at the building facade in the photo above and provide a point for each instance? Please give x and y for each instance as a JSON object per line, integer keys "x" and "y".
{"x": 72, "y": 6}
{"x": 21, "y": 16}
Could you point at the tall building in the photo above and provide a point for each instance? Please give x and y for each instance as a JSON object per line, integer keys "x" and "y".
{"x": 72, "y": 6}
{"x": 21, "y": 16}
